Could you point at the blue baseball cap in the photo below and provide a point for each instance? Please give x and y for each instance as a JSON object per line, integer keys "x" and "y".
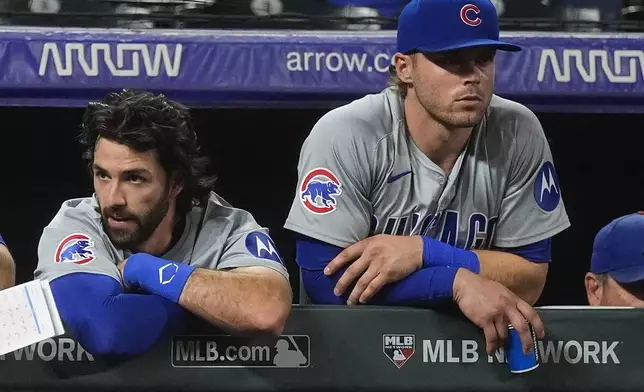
{"x": 618, "y": 249}
{"x": 433, "y": 26}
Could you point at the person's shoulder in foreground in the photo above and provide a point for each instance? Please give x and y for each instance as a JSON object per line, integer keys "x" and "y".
{"x": 154, "y": 244}
{"x": 7, "y": 266}
{"x": 616, "y": 276}
{"x": 434, "y": 189}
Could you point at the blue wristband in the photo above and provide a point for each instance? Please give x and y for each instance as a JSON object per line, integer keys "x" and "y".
{"x": 440, "y": 254}
{"x": 157, "y": 276}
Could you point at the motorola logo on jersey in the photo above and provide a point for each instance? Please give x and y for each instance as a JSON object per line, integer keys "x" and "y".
{"x": 319, "y": 190}
{"x": 261, "y": 246}
{"x": 546, "y": 188}
{"x": 75, "y": 248}
{"x": 469, "y": 14}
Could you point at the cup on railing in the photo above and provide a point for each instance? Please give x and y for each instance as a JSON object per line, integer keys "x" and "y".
{"x": 518, "y": 361}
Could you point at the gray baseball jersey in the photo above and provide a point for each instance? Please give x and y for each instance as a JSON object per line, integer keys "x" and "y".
{"x": 221, "y": 237}
{"x": 360, "y": 174}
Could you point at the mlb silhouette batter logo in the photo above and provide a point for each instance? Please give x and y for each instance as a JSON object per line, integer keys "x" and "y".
{"x": 319, "y": 191}
{"x": 399, "y": 348}
{"x": 76, "y": 249}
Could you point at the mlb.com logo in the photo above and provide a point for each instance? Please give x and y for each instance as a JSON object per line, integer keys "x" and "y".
{"x": 75, "y": 248}
{"x": 319, "y": 190}
{"x": 398, "y": 348}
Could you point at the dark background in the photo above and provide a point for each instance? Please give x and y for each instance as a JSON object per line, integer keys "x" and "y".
{"x": 254, "y": 153}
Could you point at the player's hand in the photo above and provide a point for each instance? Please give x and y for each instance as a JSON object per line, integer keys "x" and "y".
{"x": 491, "y": 306}
{"x": 379, "y": 260}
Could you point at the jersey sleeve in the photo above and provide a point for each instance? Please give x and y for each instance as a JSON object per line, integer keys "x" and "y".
{"x": 2, "y": 241}
{"x": 532, "y": 208}
{"x": 71, "y": 244}
{"x": 331, "y": 199}
{"x": 246, "y": 244}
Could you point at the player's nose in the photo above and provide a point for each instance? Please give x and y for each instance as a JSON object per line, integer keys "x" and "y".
{"x": 113, "y": 195}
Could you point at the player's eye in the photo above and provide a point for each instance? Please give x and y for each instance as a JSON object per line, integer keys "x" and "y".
{"x": 445, "y": 60}
{"x": 485, "y": 58}
{"x": 100, "y": 175}
{"x": 135, "y": 179}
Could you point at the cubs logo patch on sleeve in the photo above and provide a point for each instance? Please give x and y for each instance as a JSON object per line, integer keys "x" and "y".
{"x": 319, "y": 190}
{"x": 262, "y": 246}
{"x": 546, "y": 188}
{"x": 75, "y": 248}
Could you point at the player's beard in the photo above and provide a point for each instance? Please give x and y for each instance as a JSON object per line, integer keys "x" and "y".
{"x": 144, "y": 224}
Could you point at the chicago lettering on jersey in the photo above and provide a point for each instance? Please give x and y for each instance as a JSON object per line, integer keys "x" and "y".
{"x": 480, "y": 228}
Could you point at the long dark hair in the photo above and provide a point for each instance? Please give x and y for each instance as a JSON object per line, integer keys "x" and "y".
{"x": 144, "y": 121}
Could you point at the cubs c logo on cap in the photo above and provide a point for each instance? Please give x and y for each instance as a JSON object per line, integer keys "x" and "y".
{"x": 469, "y": 14}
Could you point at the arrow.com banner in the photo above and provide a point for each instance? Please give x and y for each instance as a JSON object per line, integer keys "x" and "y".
{"x": 300, "y": 63}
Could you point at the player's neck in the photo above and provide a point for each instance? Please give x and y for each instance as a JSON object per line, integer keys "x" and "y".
{"x": 161, "y": 240}
{"x": 439, "y": 143}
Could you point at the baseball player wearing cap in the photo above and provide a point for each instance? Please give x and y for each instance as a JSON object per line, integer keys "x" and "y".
{"x": 434, "y": 188}
{"x": 154, "y": 243}
{"x": 616, "y": 276}
{"x": 7, "y": 267}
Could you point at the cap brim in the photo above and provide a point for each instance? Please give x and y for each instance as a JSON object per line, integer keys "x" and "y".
{"x": 628, "y": 275}
{"x": 499, "y": 45}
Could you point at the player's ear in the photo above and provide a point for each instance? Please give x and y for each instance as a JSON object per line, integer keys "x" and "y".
{"x": 594, "y": 289}
{"x": 176, "y": 185}
{"x": 404, "y": 67}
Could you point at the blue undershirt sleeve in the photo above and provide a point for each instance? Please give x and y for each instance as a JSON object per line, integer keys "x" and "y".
{"x": 106, "y": 321}
{"x": 422, "y": 287}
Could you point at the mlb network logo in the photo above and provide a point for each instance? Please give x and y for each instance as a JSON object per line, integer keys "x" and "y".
{"x": 398, "y": 348}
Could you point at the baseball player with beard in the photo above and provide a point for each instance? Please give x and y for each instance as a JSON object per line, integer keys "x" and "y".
{"x": 155, "y": 243}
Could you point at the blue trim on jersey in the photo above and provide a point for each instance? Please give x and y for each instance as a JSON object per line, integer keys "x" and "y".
{"x": 538, "y": 252}
{"x": 105, "y": 321}
{"x": 423, "y": 286}
{"x": 2, "y": 241}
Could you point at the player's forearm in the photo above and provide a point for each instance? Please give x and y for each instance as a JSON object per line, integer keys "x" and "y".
{"x": 244, "y": 299}
{"x": 240, "y": 300}
{"x": 423, "y": 287}
{"x": 7, "y": 269}
{"x": 526, "y": 279}
{"x": 106, "y": 321}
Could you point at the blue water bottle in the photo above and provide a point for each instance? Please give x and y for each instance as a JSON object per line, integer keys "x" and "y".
{"x": 518, "y": 361}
